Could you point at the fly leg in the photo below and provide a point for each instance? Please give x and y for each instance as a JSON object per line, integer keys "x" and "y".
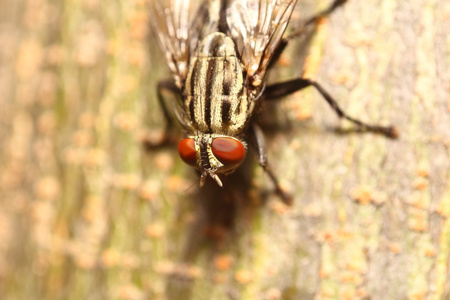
{"x": 276, "y": 91}
{"x": 314, "y": 19}
{"x": 258, "y": 142}
{"x": 303, "y": 28}
{"x": 285, "y": 88}
{"x": 169, "y": 137}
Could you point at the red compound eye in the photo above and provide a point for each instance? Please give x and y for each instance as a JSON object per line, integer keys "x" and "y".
{"x": 228, "y": 151}
{"x": 186, "y": 149}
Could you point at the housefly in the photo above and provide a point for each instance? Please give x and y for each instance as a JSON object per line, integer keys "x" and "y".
{"x": 219, "y": 53}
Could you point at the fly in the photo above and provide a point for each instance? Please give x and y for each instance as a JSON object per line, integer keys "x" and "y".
{"x": 219, "y": 54}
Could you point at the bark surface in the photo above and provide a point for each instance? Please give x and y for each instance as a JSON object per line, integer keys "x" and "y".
{"x": 86, "y": 213}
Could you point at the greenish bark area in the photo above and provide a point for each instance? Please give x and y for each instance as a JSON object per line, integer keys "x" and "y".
{"x": 86, "y": 213}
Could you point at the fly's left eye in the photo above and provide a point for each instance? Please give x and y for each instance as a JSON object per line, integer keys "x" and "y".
{"x": 228, "y": 151}
{"x": 186, "y": 149}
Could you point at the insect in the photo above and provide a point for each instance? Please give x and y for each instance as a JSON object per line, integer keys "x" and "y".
{"x": 219, "y": 55}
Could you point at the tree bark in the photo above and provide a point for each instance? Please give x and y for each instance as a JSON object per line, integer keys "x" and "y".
{"x": 87, "y": 213}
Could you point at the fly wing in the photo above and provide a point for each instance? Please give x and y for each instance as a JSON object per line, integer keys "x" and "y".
{"x": 179, "y": 26}
{"x": 257, "y": 28}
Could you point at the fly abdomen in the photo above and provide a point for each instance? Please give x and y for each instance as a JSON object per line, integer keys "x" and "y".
{"x": 216, "y": 97}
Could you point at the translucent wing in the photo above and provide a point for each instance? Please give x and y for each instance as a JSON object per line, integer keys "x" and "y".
{"x": 257, "y": 27}
{"x": 179, "y": 25}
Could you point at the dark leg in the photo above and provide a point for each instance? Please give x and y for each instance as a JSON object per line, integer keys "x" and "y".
{"x": 168, "y": 137}
{"x": 169, "y": 86}
{"x": 278, "y": 90}
{"x": 301, "y": 30}
{"x": 314, "y": 19}
{"x": 257, "y": 140}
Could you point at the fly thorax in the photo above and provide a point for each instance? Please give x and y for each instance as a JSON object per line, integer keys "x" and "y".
{"x": 215, "y": 92}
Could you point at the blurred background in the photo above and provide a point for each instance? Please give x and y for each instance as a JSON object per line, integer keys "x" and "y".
{"x": 87, "y": 213}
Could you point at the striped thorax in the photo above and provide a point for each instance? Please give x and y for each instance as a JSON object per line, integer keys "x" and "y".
{"x": 215, "y": 94}
{"x": 217, "y": 108}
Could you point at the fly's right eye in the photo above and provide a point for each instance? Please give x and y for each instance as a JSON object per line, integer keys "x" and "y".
{"x": 186, "y": 149}
{"x": 228, "y": 151}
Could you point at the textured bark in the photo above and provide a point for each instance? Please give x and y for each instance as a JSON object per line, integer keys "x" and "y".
{"x": 86, "y": 213}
